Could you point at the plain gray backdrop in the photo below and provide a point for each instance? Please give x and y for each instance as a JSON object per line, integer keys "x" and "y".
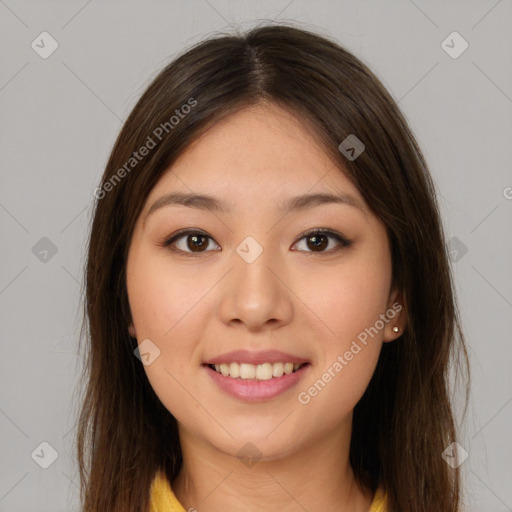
{"x": 60, "y": 115}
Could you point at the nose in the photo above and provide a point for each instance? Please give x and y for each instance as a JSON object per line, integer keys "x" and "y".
{"x": 256, "y": 294}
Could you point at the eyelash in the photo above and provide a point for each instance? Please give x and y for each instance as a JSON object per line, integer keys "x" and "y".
{"x": 343, "y": 242}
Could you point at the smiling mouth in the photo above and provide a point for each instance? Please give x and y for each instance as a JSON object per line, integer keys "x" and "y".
{"x": 265, "y": 371}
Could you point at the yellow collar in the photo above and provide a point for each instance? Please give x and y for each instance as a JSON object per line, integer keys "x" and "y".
{"x": 164, "y": 500}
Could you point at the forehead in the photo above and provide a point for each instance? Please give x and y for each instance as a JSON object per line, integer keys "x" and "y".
{"x": 260, "y": 153}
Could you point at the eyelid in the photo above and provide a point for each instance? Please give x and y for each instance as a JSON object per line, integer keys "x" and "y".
{"x": 343, "y": 242}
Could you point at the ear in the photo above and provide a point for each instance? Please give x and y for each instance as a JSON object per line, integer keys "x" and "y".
{"x": 132, "y": 331}
{"x": 396, "y": 314}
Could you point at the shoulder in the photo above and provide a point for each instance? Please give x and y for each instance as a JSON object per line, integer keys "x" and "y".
{"x": 162, "y": 498}
{"x": 379, "y": 501}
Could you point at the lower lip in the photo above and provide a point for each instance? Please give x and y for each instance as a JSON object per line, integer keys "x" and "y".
{"x": 254, "y": 390}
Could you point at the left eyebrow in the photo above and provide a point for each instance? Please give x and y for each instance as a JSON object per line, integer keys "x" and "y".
{"x": 211, "y": 203}
{"x": 310, "y": 200}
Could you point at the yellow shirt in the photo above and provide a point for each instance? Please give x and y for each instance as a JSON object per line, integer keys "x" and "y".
{"x": 164, "y": 500}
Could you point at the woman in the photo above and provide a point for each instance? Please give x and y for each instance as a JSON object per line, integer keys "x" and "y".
{"x": 269, "y": 300}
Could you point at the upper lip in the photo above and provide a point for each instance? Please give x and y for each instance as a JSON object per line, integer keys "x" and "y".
{"x": 251, "y": 357}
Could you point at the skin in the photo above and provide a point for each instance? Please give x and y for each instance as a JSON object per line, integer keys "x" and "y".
{"x": 307, "y": 302}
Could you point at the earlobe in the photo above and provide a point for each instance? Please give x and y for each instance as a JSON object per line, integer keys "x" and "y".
{"x": 132, "y": 331}
{"x": 397, "y": 315}
{"x": 393, "y": 330}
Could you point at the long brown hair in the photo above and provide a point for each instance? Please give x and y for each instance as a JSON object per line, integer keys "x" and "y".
{"x": 404, "y": 420}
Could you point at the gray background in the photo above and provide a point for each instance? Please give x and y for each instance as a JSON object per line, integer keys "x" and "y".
{"x": 60, "y": 117}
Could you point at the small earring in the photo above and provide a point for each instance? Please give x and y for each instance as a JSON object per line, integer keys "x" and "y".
{"x": 396, "y": 329}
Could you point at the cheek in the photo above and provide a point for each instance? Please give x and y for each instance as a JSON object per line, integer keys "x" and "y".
{"x": 165, "y": 308}
{"x": 332, "y": 392}
{"x": 347, "y": 301}
{"x": 160, "y": 297}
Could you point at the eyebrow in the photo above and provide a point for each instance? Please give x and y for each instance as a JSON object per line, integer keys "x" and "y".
{"x": 210, "y": 203}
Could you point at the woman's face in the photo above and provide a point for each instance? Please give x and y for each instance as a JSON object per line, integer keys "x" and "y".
{"x": 250, "y": 278}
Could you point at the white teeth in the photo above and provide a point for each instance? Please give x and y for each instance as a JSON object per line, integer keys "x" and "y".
{"x": 265, "y": 371}
{"x": 234, "y": 370}
{"x": 277, "y": 369}
{"x": 247, "y": 371}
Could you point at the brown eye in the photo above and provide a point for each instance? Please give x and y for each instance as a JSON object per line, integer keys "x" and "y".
{"x": 318, "y": 240}
{"x": 197, "y": 242}
{"x": 189, "y": 241}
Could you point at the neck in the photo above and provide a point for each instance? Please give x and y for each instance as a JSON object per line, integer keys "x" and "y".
{"x": 315, "y": 477}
